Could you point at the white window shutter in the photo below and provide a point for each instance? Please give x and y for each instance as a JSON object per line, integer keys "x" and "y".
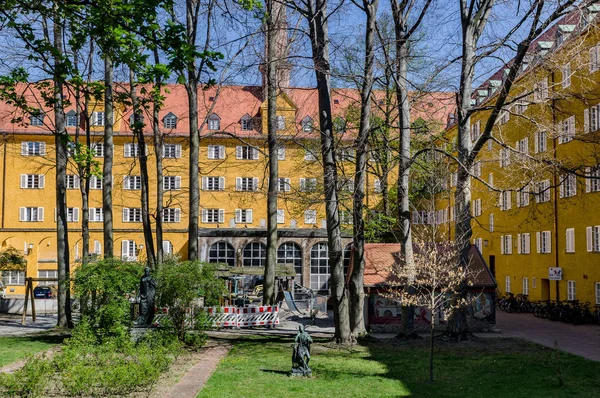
{"x": 75, "y": 214}
{"x": 221, "y": 151}
{"x": 549, "y": 240}
{"x": 561, "y": 189}
{"x": 55, "y": 214}
{"x": 178, "y": 151}
{"x": 303, "y": 184}
{"x": 221, "y": 216}
{"x": 238, "y": 216}
{"x": 238, "y": 152}
{"x": 221, "y": 183}
{"x": 518, "y": 243}
{"x": 40, "y": 213}
{"x": 93, "y": 182}
{"x": 238, "y": 183}
{"x": 124, "y": 249}
{"x": 24, "y": 148}
{"x": 23, "y": 180}
{"x": 125, "y": 214}
{"x": 177, "y": 182}
{"x": 588, "y": 181}
{"x": 249, "y": 216}
{"x": 254, "y": 153}
{"x": 528, "y": 243}
{"x": 254, "y": 183}
{"x": 43, "y": 148}
{"x": 204, "y": 215}
{"x": 76, "y": 182}
{"x": 536, "y": 144}
{"x": 508, "y": 200}
{"x": 42, "y": 179}
{"x": 125, "y": 182}
{"x": 586, "y": 120}
{"x": 97, "y": 247}
{"x": 589, "y": 239}
{"x": 509, "y": 244}
{"x": 177, "y": 215}
{"x": 204, "y": 183}
{"x": 127, "y": 150}
{"x": 538, "y": 242}
{"x": 502, "y": 244}
{"x": 518, "y": 195}
{"x": 166, "y": 246}
{"x": 22, "y": 214}
{"x": 288, "y": 185}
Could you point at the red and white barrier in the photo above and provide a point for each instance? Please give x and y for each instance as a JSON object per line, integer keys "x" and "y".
{"x": 223, "y": 316}
{"x": 266, "y": 315}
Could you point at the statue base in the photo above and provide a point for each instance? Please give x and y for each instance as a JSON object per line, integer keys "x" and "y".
{"x": 297, "y": 372}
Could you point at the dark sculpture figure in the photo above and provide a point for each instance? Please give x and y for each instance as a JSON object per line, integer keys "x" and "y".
{"x": 301, "y": 354}
{"x": 147, "y": 293}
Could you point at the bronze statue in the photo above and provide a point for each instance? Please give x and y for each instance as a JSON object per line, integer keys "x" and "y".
{"x": 301, "y": 354}
{"x": 147, "y": 293}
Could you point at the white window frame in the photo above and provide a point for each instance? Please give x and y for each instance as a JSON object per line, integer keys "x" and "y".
{"x": 132, "y": 214}
{"x": 544, "y": 242}
{"x": 213, "y": 216}
{"x": 213, "y": 183}
{"x": 171, "y": 183}
{"x": 280, "y": 216}
{"x": 246, "y": 152}
{"x": 526, "y": 286}
{"x": 597, "y": 292}
{"x": 171, "y": 151}
{"x": 566, "y": 75}
{"x": 32, "y": 181}
{"x": 505, "y": 200}
{"x": 593, "y": 238}
{"x": 171, "y": 215}
{"x": 128, "y": 250}
{"x": 524, "y": 243}
{"x": 308, "y": 184}
{"x": 568, "y": 186}
{"x": 246, "y": 184}
{"x": 540, "y": 142}
{"x": 98, "y": 149}
{"x": 491, "y": 222}
{"x": 98, "y": 119}
{"x": 132, "y": 183}
{"x": 571, "y": 290}
{"x": 566, "y": 130}
{"x": 477, "y": 208}
{"x": 310, "y": 216}
{"x": 96, "y": 214}
{"x": 243, "y": 216}
{"x": 507, "y": 284}
{"x": 216, "y": 152}
{"x": 542, "y": 191}
{"x": 33, "y": 148}
{"x": 283, "y": 185}
{"x": 506, "y": 244}
{"x": 31, "y": 214}
{"x": 281, "y": 152}
{"x": 570, "y": 240}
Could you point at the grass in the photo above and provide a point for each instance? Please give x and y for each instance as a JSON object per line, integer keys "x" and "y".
{"x": 484, "y": 368}
{"x": 14, "y": 348}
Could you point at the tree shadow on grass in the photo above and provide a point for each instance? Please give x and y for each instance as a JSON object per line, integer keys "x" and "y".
{"x": 279, "y": 372}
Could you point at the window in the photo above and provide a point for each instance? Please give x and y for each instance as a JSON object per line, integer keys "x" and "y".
{"x": 246, "y": 184}
{"x": 243, "y": 216}
{"x": 308, "y": 184}
{"x": 475, "y": 130}
{"x": 96, "y": 214}
{"x": 49, "y": 274}
{"x": 377, "y": 185}
{"x": 504, "y": 157}
{"x": 544, "y": 242}
{"x": 346, "y": 155}
{"x": 346, "y": 217}
{"x": 254, "y": 255}
{"x": 477, "y": 208}
{"x": 132, "y": 150}
{"x": 246, "y": 152}
{"x": 283, "y": 185}
{"x": 98, "y": 149}
{"x": 31, "y": 148}
{"x": 213, "y": 216}
{"x": 171, "y": 151}
{"x": 221, "y": 252}
{"x": 32, "y": 181}
{"x": 507, "y": 284}
{"x": 319, "y": 267}
{"x": 523, "y": 146}
{"x": 72, "y": 181}
{"x": 506, "y": 244}
{"x": 132, "y": 182}
{"x": 247, "y": 123}
{"x": 213, "y": 183}
{"x": 591, "y": 119}
{"x": 490, "y": 181}
{"x": 594, "y": 58}
{"x": 310, "y": 217}
{"x": 566, "y": 130}
{"x": 13, "y": 277}
{"x": 307, "y": 124}
{"x": 526, "y": 286}
{"x": 216, "y": 152}
{"x": 31, "y": 214}
{"x": 171, "y": 183}
{"x": 280, "y": 216}
{"x": 309, "y": 155}
{"x": 524, "y": 243}
{"x": 132, "y": 215}
{"x": 540, "y": 90}
{"x": 478, "y": 242}
{"x": 128, "y": 250}
{"x": 568, "y": 186}
{"x": 570, "y": 240}
{"x": 570, "y": 290}
{"x": 281, "y": 153}
{"x": 505, "y": 200}
{"x": 592, "y": 181}
{"x": 71, "y": 119}
{"x": 477, "y": 169}
{"x": 290, "y": 253}
{"x": 491, "y": 221}
{"x": 504, "y": 115}
{"x": 171, "y": 215}
{"x": 566, "y": 75}
{"x": 346, "y": 184}
{"x": 523, "y": 196}
{"x": 36, "y": 119}
{"x": 542, "y": 191}
{"x": 280, "y": 123}
{"x": 167, "y": 247}
{"x": 539, "y": 143}
{"x": 97, "y": 119}
{"x": 214, "y": 122}
{"x": 136, "y": 119}
{"x": 170, "y": 121}
{"x": 72, "y": 214}
{"x": 592, "y": 235}
{"x": 597, "y": 290}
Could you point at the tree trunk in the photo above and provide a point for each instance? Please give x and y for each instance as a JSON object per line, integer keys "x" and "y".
{"x": 145, "y": 201}
{"x": 271, "y": 65}
{"x": 61, "y": 139}
{"x": 431, "y": 341}
{"x": 319, "y": 38}
{"x": 158, "y": 142}
{"x": 356, "y": 289}
{"x": 107, "y": 183}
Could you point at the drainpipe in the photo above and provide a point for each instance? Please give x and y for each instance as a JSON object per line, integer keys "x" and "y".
{"x": 555, "y": 184}
{"x": 4, "y": 179}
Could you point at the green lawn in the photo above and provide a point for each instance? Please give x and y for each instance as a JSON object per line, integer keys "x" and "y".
{"x": 15, "y": 348}
{"x": 483, "y": 368}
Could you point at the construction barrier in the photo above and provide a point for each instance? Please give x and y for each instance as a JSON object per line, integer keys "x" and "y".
{"x": 267, "y": 315}
{"x": 223, "y": 316}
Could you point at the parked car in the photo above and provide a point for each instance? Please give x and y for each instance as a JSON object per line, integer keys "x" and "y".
{"x": 44, "y": 292}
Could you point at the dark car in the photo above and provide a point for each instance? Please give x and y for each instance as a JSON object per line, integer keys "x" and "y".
{"x": 43, "y": 292}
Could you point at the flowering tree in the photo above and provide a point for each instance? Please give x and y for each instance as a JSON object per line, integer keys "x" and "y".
{"x": 436, "y": 280}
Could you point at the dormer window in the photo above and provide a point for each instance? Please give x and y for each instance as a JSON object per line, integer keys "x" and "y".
{"x": 36, "y": 119}
{"x": 71, "y": 118}
{"x": 339, "y": 125}
{"x": 170, "y": 121}
{"x": 214, "y": 122}
{"x": 307, "y": 124}
{"x": 280, "y": 123}
{"x": 139, "y": 118}
{"x": 246, "y": 123}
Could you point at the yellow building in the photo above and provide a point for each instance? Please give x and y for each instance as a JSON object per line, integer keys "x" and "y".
{"x": 535, "y": 193}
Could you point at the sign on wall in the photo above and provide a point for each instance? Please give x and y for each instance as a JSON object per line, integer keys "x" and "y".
{"x": 555, "y": 274}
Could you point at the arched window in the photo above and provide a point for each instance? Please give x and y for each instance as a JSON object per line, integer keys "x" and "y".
{"x": 221, "y": 252}
{"x": 254, "y": 255}
{"x": 319, "y": 267}
{"x": 290, "y": 253}
{"x": 170, "y": 121}
{"x": 214, "y": 122}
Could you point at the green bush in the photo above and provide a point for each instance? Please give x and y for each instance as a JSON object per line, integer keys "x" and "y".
{"x": 30, "y": 381}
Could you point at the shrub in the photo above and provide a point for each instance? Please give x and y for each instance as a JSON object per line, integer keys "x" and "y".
{"x": 30, "y": 381}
